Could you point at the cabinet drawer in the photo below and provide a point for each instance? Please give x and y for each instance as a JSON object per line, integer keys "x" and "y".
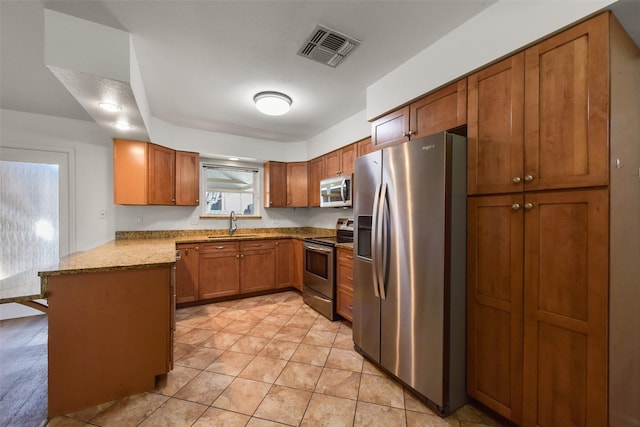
{"x": 219, "y": 247}
{"x": 345, "y": 303}
{"x": 345, "y": 275}
{"x": 253, "y": 245}
{"x": 345, "y": 255}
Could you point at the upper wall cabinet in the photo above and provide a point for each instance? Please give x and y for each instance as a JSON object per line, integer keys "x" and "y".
{"x": 297, "y": 184}
{"x": 149, "y": 174}
{"x": 162, "y": 175}
{"x": 495, "y": 132}
{"x": 364, "y": 146}
{"x": 187, "y": 178}
{"x": 539, "y": 119}
{"x": 316, "y": 173}
{"x": 441, "y": 110}
{"x": 567, "y": 109}
{"x": 340, "y": 162}
{"x": 275, "y": 185}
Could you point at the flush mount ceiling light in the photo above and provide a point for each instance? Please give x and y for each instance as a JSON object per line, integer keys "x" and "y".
{"x": 272, "y": 103}
{"x": 109, "y": 106}
{"x": 122, "y": 125}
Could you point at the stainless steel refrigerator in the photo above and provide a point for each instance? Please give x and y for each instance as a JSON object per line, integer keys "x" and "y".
{"x": 410, "y": 265}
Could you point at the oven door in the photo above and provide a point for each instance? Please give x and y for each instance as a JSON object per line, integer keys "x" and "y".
{"x": 319, "y": 269}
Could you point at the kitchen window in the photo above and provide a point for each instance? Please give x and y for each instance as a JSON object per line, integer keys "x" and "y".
{"x": 229, "y": 188}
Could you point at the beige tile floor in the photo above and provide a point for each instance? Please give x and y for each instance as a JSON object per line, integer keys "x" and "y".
{"x": 269, "y": 361}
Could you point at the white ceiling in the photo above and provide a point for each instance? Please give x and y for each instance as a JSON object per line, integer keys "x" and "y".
{"x": 202, "y": 61}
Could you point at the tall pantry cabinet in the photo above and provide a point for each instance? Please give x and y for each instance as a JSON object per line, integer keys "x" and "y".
{"x": 553, "y": 182}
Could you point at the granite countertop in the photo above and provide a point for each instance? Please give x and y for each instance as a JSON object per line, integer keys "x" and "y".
{"x": 136, "y": 249}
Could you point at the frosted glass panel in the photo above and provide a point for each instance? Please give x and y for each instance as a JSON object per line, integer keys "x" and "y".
{"x": 29, "y": 216}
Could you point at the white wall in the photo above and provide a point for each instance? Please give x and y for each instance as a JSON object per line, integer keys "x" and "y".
{"x": 210, "y": 144}
{"x": 502, "y": 28}
{"x": 347, "y": 131}
{"x": 93, "y": 167}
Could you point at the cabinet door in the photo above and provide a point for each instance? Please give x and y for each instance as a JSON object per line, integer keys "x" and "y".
{"x": 566, "y": 308}
{"x": 187, "y": 271}
{"x": 316, "y": 173}
{"x": 219, "y": 274}
{"x": 187, "y": 178}
{"x": 257, "y": 270}
{"x": 297, "y": 184}
{"x": 275, "y": 185}
{"x": 439, "y": 111}
{"x": 494, "y": 303}
{"x": 162, "y": 180}
{"x": 347, "y": 157}
{"x": 364, "y": 147}
{"x": 284, "y": 263}
{"x": 495, "y": 135}
{"x": 567, "y": 108}
{"x": 332, "y": 163}
{"x": 298, "y": 266}
{"x": 391, "y": 129}
{"x": 130, "y": 179}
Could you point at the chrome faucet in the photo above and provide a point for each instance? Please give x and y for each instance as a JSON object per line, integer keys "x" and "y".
{"x": 232, "y": 223}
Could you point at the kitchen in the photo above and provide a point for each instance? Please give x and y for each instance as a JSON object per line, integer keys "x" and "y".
{"x": 19, "y": 127}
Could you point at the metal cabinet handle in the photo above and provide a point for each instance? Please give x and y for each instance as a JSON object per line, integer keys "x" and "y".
{"x": 528, "y": 178}
{"x": 528, "y": 206}
{"x": 350, "y": 278}
{"x": 516, "y": 180}
{"x": 238, "y": 256}
{"x": 219, "y": 247}
{"x": 411, "y": 132}
{"x": 515, "y": 206}
{"x": 178, "y": 256}
{"x": 350, "y": 307}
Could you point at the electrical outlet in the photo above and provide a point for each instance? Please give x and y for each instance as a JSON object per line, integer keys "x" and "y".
{"x": 102, "y": 214}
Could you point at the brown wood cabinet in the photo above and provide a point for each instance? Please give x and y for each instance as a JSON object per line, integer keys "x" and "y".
{"x": 441, "y": 110}
{"x": 219, "y": 274}
{"x": 257, "y": 266}
{"x": 162, "y": 178}
{"x": 284, "y": 263}
{"x": 150, "y": 174}
{"x": 275, "y": 185}
{"x": 567, "y": 109}
{"x": 187, "y": 272}
{"x": 566, "y": 308}
{"x": 298, "y": 264}
{"x": 316, "y": 173}
{"x": 344, "y": 283}
{"x": 495, "y": 132}
{"x": 130, "y": 177}
{"x": 544, "y": 286}
{"x": 340, "y": 162}
{"x": 187, "y": 178}
{"x": 365, "y": 146}
{"x": 297, "y": 184}
{"x": 110, "y": 335}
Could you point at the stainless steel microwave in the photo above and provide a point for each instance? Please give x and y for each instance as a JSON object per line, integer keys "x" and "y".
{"x": 336, "y": 192}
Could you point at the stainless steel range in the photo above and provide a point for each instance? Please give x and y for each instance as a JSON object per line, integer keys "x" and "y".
{"x": 320, "y": 270}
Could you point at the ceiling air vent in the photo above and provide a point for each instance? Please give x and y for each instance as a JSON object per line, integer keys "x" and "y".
{"x": 327, "y": 46}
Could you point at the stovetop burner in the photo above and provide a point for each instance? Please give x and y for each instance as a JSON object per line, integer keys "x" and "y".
{"x": 344, "y": 234}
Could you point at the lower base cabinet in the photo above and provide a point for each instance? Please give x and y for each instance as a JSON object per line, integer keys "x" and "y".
{"x": 538, "y": 306}
{"x": 344, "y": 283}
{"x": 257, "y": 266}
{"x": 210, "y": 270}
{"x": 219, "y": 274}
{"x": 110, "y": 335}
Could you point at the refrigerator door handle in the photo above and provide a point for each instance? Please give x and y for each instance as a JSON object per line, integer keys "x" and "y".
{"x": 374, "y": 240}
{"x": 383, "y": 214}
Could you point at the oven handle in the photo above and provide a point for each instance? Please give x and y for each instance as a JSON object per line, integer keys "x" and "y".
{"x": 317, "y": 248}
{"x": 320, "y": 298}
